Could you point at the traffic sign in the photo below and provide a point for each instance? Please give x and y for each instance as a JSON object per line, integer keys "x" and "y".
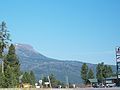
{"x": 40, "y": 81}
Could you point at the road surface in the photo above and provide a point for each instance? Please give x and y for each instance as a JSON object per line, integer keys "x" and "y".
{"x": 62, "y": 89}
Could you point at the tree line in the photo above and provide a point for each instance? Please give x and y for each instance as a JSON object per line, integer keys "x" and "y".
{"x": 10, "y": 74}
{"x": 54, "y": 82}
{"x": 102, "y": 72}
{"x": 10, "y": 65}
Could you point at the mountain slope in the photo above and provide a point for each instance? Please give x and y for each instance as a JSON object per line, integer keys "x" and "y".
{"x": 43, "y": 66}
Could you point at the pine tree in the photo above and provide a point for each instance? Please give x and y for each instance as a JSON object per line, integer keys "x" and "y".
{"x": 84, "y": 73}
{"x": 4, "y": 40}
{"x": 26, "y": 78}
{"x": 109, "y": 71}
{"x": 32, "y": 78}
{"x": 10, "y": 64}
{"x": 29, "y": 77}
{"x": 12, "y": 61}
{"x": 103, "y": 71}
{"x": 90, "y": 74}
{"x": 99, "y": 72}
{"x": 11, "y": 68}
{"x": 53, "y": 80}
{"x": 10, "y": 78}
{"x": 2, "y": 79}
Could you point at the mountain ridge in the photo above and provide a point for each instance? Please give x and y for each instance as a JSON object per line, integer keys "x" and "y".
{"x": 43, "y": 66}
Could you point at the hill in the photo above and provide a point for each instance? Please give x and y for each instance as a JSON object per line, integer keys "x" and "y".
{"x": 43, "y": 66}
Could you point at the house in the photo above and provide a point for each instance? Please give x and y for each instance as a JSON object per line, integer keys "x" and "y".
{"x": 111, "y": 81}
{"x": 93, "y": 82}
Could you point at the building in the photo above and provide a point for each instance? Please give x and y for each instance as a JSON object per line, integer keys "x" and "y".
{"x": 93, "y": 82}
{"x": 111, "y": 81}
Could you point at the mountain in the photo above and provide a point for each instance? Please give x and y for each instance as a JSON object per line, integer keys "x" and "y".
{"x": 43, "y": 66}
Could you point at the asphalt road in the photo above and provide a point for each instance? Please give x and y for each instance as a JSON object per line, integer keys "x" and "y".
{"x": 62, "y": 89}
{"x": 90, "y": 89}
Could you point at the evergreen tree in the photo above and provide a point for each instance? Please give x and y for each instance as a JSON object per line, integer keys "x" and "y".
{"x": 12, "y": 61}
{"x": 109, "y": 71}
{"x": 11, "y": 68}
{"x": 90, "y": 74}
{"x": 32, "y": 78}
{"x": 84, "y": 73}
{"x": 2, "y": 78}
{"x": 10, "y": 78}
{"x": 4, "y": 40}
{"x": 103, "y": 71}
{"x": 53, "y": 80}
{"x": 44, "y": 79}
{"x": 99, "y": 72}
{"x": 26, "y": 78}
{"x": 29, "y": 77}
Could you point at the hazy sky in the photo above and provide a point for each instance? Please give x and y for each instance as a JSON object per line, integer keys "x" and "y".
{"x": 84, "y": 30}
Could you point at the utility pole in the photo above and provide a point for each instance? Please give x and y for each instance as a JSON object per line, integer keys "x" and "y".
{"x": 49, "y": 82}
{"x": 67, "y": 82}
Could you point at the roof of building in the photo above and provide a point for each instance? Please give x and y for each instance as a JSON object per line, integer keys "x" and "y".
{"x": 93, "y": 80}
{"x": 109, "y": 78}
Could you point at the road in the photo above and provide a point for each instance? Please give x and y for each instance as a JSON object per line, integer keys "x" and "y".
{"x": 62, "y": 89}
{"x": 90, "y": 89}
{"x": 83, "y": 89}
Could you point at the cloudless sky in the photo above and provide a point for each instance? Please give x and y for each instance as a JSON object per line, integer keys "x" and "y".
{"x": 82, "y": 30}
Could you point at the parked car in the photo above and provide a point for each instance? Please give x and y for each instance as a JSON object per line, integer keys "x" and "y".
{"x": 110, "y": 85}
{"x": 95, "y": 85}
{"x": 101, "y": 85}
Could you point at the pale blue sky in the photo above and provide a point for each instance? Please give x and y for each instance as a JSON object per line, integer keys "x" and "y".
{"x": 84, "y": 30}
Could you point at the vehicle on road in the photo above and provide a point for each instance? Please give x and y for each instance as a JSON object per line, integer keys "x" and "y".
{"x": 110, "y": 84}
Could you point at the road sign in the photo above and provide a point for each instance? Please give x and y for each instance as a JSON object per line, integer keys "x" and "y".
{"x": 118, "y": 50}
{"x": 118, "y": 76}
{"x": 118, "y": 65}
{"x": 118, "y": 54}
{"x": 36, "y": 84}
{"x": 40, "y": 81}
{"x": 46, "y": 83}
